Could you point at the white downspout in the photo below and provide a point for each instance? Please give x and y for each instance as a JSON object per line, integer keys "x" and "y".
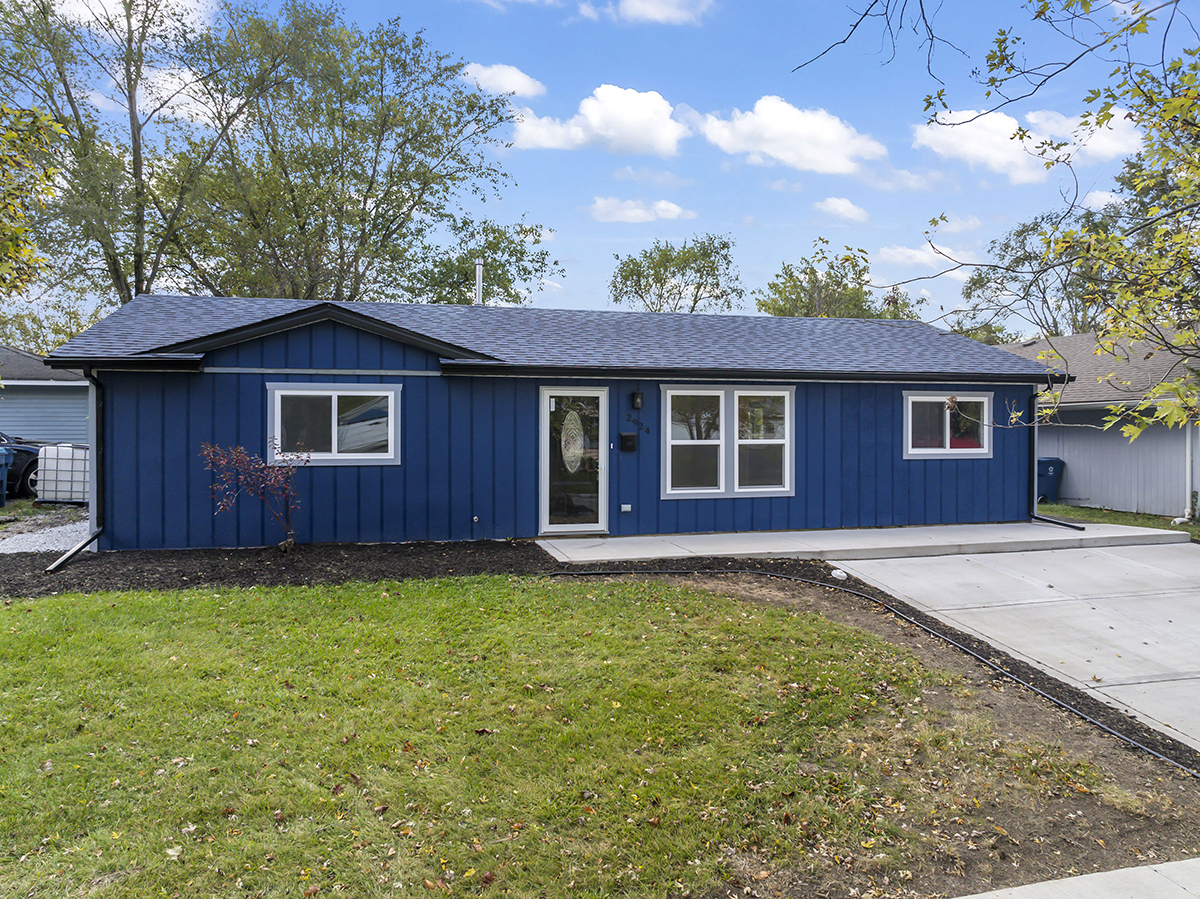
{"x": 1187, "y": 442}
{"x": 1187, "y": 476}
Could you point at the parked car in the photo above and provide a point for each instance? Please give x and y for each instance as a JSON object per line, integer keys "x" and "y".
{"x": 22, "y": 472}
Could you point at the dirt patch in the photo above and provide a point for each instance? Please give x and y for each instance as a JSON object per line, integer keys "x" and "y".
{"x": 26, "y": 516}
{"x": 979, "y": 836}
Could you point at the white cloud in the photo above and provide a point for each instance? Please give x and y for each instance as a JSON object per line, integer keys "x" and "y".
{"x": 196, "y": 13}
{"x": 612, "y": 209}
{"x": 174, "y": 92}
{"x": 1117, "y": 139}
{"x": 621, "y": 120}
{"x": 811, "y": 140}
{"x": 956, "y": 224}
{"x": 503, "y": 79}
{"x": 784, "y": 186}
{"x": 666, "y": 12}
{"x": 840, "y": 207}
{"x": 935, "y": 257}
{"x": 986, "y": 139}
{"x": 661, "y": 12}
{"x": 1098, "y": 199}
{"x": 653, "y": 177}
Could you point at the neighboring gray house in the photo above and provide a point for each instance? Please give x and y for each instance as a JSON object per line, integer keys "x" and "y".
{"x": 1157, "y": 472}
{"x": 40, "y": 403}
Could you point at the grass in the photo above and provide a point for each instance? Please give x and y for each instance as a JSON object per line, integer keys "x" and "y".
{"x": 469, "y": 736}
{"x": 1109, "y": 516}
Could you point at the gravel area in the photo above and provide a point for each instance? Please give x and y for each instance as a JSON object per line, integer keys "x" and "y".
{"x": 57, "y": 539}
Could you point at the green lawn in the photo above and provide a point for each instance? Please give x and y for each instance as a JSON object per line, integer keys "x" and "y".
{"x": 1108, "y": 516}
{"x": 475, "y": 736}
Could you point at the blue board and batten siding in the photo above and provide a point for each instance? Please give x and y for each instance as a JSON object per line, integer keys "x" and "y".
{"x": 470, "y": 448}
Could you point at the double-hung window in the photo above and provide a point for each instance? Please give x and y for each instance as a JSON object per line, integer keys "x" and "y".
{"x": 762, "y": 440}
{"x": 727, "y": 441}
{"x": 945, "y": 426}
{"x": 695, "y": 450}
{"x": 336, "y": 424}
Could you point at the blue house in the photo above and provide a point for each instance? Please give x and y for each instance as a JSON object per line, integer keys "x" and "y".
{"x": 426, "y": 422}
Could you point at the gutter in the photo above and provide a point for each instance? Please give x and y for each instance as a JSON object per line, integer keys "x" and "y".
{"x": 97, "y": 487}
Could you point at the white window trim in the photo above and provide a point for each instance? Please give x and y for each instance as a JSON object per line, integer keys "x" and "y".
{"x": 785, "y": 442}
{"x": 276, "y": 391}
{"x": 719, "y": 443}
{"x": 947, "y": 452}
{"x": 729, "y": 442}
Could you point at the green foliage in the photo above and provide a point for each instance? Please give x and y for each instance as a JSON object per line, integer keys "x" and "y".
{"x": 988, "y": 332}
{"x": 1137, "y": 265}
{"x": 348, "y": 181}
{"x": 26, "y": 174}
{"x": 829, "y": 286}
{"x": 1022, "y": 284}
{"x": 45, "y": 323}
{"x": 295, "y": 156}
{"x": 697, "y": 276}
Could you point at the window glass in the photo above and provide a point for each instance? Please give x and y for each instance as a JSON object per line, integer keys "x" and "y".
{"x": 696, "y": 417}
{"x": 363, "y": 425}
{"x": 762, "y": 417}
{"x": 695, "y": 466}
{"x": 929, "y": 424}
{"x": 966, "y": 428}
{"x": 304, "y": 424}
{"x": 760, "y": 466}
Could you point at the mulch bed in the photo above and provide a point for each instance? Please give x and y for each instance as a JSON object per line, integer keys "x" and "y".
{"x": 23, "y": 576}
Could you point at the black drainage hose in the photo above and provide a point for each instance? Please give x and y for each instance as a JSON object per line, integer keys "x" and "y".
{"x": 899, "y": 614}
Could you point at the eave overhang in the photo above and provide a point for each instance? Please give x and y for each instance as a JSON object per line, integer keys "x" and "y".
{"x": 503, "y": 369}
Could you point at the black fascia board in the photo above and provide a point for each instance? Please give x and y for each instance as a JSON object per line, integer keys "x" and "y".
{"x": 143, "y": 362}
{"x": 455, "y": 367}
{"x": 319, "y": 313}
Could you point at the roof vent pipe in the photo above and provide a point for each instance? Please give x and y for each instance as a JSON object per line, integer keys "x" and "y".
{"x": 478, "y": 282}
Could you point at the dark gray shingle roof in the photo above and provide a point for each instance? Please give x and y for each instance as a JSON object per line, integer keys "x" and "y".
{"x": 18, "y": 365}
{"x": 582, "y": 340}
{"x": 1117, "y": 378}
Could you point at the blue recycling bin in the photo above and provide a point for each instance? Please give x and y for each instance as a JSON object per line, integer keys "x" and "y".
{"x": 1049, "y": 475}
{"x": 6, "y": 457}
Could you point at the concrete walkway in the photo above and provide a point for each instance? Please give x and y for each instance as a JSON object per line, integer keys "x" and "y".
{"x": 861, "y": 543}
{"x": 1174, "y": 880}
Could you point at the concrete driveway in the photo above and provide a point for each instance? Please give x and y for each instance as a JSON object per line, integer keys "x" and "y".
{"x": 1122, "y": 622}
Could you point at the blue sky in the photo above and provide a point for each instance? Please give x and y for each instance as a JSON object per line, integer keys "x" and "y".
{"x": 648, "y": 119}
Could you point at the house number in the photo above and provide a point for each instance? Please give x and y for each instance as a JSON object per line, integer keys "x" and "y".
{"x": 637, "y": 424}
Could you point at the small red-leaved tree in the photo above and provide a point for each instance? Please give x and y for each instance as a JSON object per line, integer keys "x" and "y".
{"x": 241, "y": 472}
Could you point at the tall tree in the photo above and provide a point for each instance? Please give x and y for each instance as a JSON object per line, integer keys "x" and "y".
{"x": 697, "y": 276}
{"x": 131, "y": 82}
{"x": 1018, "y": 284}
{"x": 248, "y": 154}
{"x": 26, "y": 172}
{"x": 1144, "y": 272}
{"x": 825, "y": 285}
{"x": 352, "y": 180}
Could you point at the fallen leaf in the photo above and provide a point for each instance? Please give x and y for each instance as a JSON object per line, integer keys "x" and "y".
{"x": 175, "y": 851}
{"x": 312, "y": 890}
{"x": 337, "y": 789}
{"x": 381, "y": 810}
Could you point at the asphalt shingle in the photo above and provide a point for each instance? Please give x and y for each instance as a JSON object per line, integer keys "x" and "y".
{"x": 580, "y": 340}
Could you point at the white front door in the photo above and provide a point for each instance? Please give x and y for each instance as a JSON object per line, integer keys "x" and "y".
{"x": 574, "y": 460}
